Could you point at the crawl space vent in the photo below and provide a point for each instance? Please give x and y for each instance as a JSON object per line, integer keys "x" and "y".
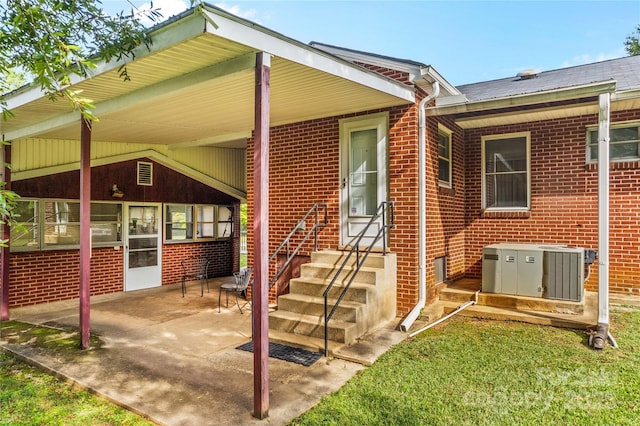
{"x": 145, "y": 173}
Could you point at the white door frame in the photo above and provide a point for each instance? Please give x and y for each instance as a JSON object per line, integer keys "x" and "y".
{"x": 138, "y": 238}
{"x": 352, "y": 220}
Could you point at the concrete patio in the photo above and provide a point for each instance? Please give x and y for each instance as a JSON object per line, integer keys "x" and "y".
{"x": 173, "y": 359}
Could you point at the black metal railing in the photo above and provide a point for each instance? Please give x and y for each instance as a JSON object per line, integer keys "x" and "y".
{"x": 385, "y": 214}
{"x": 318, "y": 213}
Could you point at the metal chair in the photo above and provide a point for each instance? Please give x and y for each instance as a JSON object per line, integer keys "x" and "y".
{"x": 239, "y": 287}
{"x": 195, "y": 268}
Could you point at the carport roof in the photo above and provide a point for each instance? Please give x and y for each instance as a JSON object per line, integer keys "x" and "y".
{"x": 196, "y": 84}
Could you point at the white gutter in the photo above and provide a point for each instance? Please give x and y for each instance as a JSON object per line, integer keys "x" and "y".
{"x": 422, "y": 223}
{"x": 565, "y": 93}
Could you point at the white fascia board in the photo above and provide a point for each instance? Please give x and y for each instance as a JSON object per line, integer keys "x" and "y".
{"x": 430, "y": 74}
{"x": 165, "y": 36}
{"x": 574, "y": 92}
{"x": 144, "y": 94}
{"x": 625, "y": 95}
{"x": 278, "y": 45}
{"x": 416, "y": 71}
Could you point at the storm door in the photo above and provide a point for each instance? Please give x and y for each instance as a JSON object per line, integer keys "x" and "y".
{"x": 363, "y": 174}
{"x": 143, "y": 246}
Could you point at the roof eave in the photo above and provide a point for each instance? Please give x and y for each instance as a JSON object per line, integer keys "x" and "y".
{"x": 178, "y": 29}
{"x": 565, "y": 93}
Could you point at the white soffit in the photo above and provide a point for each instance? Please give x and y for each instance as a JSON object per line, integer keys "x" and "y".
{"x": 550, "y": 113}
{"x": 202, "y": 87}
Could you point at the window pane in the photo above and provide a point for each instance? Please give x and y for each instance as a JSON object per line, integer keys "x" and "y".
{"x": 62, "y": 235}
{"x": 506, "y": 183}
{"x": 225, "y": 222}
{"x": 443, "y": 145}
{"x": 106, "y": 222}
{"x": 143, "y": 252}
{"x": 105, "y": 233}
{"x": 62, "y": 223}
{"x": 509, "y": 190}
{"x": 623, "y": 143}
{"x": 179, "y": 222}
{"x": 506, "y": 155}
{"x": 624, "y": 150}
{"x": 623, "y": 134}
{"x": 443, "y": 170}
{"x": 206, "y": 221}
{"x": 26, "y": 233}
{"x": 363, "y": 181}
{"x": 106, "y": 212}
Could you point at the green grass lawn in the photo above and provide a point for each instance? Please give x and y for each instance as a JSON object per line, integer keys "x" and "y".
{"x": 29, "y": 396}
{"x": 473, "y": 372}
{"x": 462, "y": 372}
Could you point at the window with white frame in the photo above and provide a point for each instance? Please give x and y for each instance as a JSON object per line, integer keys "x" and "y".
{"x": 209, "y": 222}
{"x": 45, "y": 224}
{"x": 178, "y": 220}
{"x": 505, "y": 172}
{"x": 444, "y": 156}
{"x": 624, "y": 142}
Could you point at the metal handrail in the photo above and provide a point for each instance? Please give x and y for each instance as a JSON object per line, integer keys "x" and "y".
{"x": 316, "y": 210}
{"x": 385, "y": 212}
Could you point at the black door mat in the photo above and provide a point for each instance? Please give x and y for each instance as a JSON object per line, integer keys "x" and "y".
{"x": 287, "y": 353}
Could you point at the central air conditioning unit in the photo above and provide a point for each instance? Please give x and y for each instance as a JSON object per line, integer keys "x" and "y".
{"x": 533, "y": 270}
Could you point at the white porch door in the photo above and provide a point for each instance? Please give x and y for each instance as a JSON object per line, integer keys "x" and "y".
{"x": 143, "y": 246}
{"x": 363, "y": 164}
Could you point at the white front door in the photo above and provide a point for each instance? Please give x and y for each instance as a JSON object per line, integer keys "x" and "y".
{"x": 363, "y": 164}
{"x": 143, "y": 246}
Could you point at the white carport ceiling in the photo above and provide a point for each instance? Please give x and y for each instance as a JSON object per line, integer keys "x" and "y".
{"x": 199, "y": 90}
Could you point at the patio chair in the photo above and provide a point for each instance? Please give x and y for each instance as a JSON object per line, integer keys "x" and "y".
{"x": 239, "y": 287}
{"x": 195, "y": 268}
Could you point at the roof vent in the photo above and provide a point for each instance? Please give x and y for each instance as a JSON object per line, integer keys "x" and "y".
{"x": 528, "y": 74}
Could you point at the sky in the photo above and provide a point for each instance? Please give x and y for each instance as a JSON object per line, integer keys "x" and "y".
{"x": 465, "y": 41}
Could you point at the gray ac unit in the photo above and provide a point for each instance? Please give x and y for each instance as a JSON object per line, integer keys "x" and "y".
{"x": 563, "y": 273}
{"x": 534, "y": 270}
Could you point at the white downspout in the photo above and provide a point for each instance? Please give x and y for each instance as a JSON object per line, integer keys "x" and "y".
{"x": 602, "y": 328}
{"x": 422, "y": 223}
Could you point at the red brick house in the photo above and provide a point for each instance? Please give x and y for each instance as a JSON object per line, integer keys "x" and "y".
{"x": 510, "y": 160}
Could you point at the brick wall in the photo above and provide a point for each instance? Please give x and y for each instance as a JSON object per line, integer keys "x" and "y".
{"x": 564, "y": 199}
{"x": 220, "y": 253}
{"x": 50, "y": 276}
{"x": 305, "y": 169}
{"x": 445, "y": 206}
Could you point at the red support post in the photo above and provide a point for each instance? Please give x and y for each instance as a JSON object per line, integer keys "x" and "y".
{"x": 85, "y": 232}
{"x": 6, "y": 234}
{"x": 260, "y": 289}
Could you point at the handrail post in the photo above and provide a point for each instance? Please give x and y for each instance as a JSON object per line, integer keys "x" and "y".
{"x": 326, "y": 327}
{"x": 315, "y": 228}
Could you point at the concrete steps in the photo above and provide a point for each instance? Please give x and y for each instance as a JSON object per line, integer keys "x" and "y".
{"x": 508, "y": 301}
{"x": 530, "y": 317}
{"x": 369, "y": 301}
{"x": 533, "y": 310}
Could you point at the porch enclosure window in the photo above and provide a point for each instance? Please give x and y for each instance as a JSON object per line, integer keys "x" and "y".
{"x": 209, "y": 221}
{"x": 505, "y": 172}
{"x": 55, "y": 224}
{"x": 624, "y": 142}
{"x": 444, "y": 156}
